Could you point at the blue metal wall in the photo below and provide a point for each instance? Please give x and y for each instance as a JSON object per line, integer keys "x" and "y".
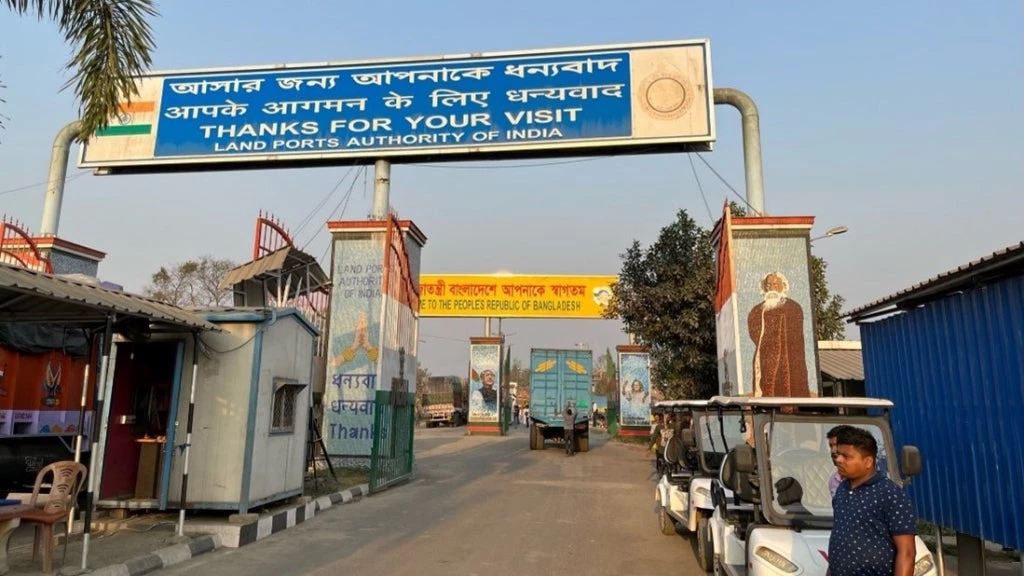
{"x": 955, "y": 370}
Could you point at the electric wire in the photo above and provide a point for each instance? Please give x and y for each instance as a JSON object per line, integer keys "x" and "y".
{"x": 707, "y": 206}
{"x": 343, "y": 206}
{"x": 309, "y": 217}
{"x": 44, "y": 183}
{"x": 724, "y": 181}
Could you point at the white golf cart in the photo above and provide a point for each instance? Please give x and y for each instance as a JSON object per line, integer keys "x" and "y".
{"x": 692, "y": 462}
{"x": 778, "y": 517}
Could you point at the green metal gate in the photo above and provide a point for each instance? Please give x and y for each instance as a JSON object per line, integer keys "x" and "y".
{"x": 394, "y": 421}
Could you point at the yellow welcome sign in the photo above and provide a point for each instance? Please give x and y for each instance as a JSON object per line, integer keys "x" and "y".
{"x": 514, "y": 296}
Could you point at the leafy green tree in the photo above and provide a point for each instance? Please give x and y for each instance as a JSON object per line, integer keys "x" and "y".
{"x": 828, "y": 307}
{"x": 664, "y": 297}
{"x": 112, "y": 43}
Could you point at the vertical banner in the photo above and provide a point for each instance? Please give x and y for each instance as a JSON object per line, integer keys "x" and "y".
{"x": 400, "y": 306}
{"x": 484, "y": 383}
{"x": 354, "y": 348}
{"x": 634, "y": 387}
{"x": 730, "y": 377}
{"x": 766, "y": 332}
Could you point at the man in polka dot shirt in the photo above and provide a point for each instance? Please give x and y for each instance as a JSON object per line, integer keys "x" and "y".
{"x": 874, "y": 522}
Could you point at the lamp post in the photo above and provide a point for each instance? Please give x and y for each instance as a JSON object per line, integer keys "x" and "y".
{"x": 836, "y": 231}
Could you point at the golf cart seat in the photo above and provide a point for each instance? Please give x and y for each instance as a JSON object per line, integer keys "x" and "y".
{"x": 740, "y": 483}
{"x": 679, "y": 473}
{"x": 813, "y": 474}
{"x": 745, "y": 493}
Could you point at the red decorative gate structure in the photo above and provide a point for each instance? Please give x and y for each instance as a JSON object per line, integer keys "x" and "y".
{"x": 281, "y": 275}
{"x": 17, "y": 248}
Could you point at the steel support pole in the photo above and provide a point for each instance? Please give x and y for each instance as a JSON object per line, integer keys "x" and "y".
{"x": 381, "y": 189}
{"x": 188, "y": 433}
{"x": 92, "y": 482}
{"x": 487, "y": 327}
{"x": 58, "y": 175}
{"x": 751, "y": 144}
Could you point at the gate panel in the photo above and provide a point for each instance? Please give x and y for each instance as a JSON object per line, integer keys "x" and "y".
{"x": 394, "y": 419}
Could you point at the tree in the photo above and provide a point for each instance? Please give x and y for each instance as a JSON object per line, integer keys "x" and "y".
{"x": 112, "y": 41}
{"x": 664, "y": 297}
{"x": 828, "y": 307}
{"x": 607, "y": 374}
{"x": 193, "y": 283}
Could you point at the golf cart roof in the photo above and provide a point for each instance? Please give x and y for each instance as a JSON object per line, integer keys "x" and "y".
{"x": 682, "y": 403}
{"x": 780, "y": 402}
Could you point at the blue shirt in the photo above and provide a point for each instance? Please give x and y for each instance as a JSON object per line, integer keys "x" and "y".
{"x": 866, "y": 519}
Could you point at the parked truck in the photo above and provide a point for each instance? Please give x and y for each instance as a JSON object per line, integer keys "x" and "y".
{"x": 559, "y": 378}
{"x": 442, "y": 401}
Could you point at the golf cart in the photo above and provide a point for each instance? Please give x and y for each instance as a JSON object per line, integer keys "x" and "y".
{"x": 692, "y": 460}
{"x": 778, "y": 519}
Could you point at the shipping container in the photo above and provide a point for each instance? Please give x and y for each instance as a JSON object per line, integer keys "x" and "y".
{"x": 559, "y": 378}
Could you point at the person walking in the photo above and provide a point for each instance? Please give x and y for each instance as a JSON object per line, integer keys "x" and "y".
{"x": 569, "y": 422}
{"x": 874, "y": 523}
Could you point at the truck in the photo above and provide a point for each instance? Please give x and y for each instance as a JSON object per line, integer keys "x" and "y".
{"x": 442, "y": 401}
{"x": 559, "y": 378}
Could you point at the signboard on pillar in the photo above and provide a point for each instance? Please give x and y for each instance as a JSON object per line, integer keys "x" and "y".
{"x": 485, "y": 385}
{"x": 635, "y": 394}
{"x": 764, "y": 312}
{"x": 624, "y": 98}
{"x": 363, "y": 358}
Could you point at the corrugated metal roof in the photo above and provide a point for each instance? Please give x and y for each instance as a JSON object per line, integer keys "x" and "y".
{"x": 30, "y": 296}
{"x": 284, "y": 261}
{"x": 955, "y": 369}
{"x": 841, "y": 364}
{"x": 1000, "y": 263}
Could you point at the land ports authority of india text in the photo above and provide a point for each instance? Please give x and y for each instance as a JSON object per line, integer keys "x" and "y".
{"x": 476, "y": 103}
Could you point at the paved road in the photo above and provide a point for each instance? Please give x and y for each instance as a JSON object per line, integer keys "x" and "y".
{"x": 486, "y": 506}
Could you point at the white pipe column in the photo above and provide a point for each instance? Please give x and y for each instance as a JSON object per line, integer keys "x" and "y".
{"x": 381, "y": 189}
{"x": 54, "y": 198}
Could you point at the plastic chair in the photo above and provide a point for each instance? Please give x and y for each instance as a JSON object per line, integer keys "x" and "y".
{"x": 68, "y": 478}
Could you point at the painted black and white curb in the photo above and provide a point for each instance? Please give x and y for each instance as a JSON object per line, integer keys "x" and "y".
{"x": 285, "y": 519}
{"x": 246, "y": 534}
{"x": 161, "y": 558}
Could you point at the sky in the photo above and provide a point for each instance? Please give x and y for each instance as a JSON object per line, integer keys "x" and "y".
{"x": 899, "y": 120}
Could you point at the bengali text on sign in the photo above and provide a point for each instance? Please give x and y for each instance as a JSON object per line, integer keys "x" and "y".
{"x": 514, "y": 296}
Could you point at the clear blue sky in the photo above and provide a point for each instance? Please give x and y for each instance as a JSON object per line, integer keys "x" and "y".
{"x": 900, "y": 120}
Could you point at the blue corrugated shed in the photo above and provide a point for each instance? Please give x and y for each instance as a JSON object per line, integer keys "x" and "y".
{"x": 952, "y": 360}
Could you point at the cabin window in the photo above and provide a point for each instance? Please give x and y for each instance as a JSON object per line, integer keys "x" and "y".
{"x": 285, "y": 405}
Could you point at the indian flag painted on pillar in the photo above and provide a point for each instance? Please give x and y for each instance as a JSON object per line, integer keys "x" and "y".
{"x": 134, "y": 119}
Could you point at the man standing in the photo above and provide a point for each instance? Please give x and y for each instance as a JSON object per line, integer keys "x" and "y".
{"x": 569, "y": 421}
{"x": 874, "y": 522}
{"x": 776, "y": 325}
{"x": 833, "y": 446}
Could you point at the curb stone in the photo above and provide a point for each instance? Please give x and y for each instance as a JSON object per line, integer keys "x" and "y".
{"x": 290, "y": 517}
{"x": 248, "y": 534}
{"x": 163, "y": 558}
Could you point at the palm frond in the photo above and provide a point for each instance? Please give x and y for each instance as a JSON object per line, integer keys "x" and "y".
{"x": 112, "y": 43}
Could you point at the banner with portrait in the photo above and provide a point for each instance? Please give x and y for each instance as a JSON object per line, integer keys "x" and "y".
{"x": 634, "y": 389}
{"x": 484, "y": 382}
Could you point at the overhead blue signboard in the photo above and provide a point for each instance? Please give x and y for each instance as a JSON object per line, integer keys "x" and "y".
{"x": 648, "y": 97}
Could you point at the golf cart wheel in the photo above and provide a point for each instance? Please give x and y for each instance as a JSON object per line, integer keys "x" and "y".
{"x": 665, "y": 522}
{"x": 583, "y": 444}
{"x": 705, "y": 547}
